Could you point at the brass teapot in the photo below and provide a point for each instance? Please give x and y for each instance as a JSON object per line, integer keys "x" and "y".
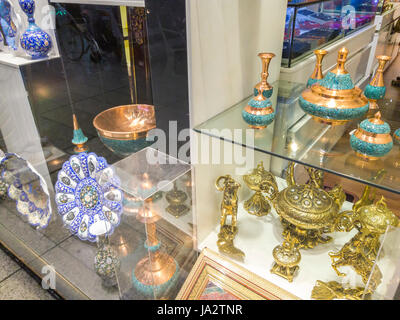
{"x": 307, "y": 211}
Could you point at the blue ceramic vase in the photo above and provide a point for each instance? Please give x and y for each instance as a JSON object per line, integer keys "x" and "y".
{"x": 7, "y": 25}
{"x": 335, "y": 100}
{"x": 372, "y": 139}
{"x": 376, "y": 89}
{"x": 34, "y": 40}
{"x": 268, "y": 89}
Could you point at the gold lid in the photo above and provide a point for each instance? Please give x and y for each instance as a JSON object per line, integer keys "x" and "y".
{"x": 306, "y": 206}
{"x": 377, "y": 217}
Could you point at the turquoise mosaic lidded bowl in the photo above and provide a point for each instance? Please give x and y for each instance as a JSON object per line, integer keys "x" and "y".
{"x": 335, "y": 100}
{"x": 372, "y": 139}
{"x": 124, "y": 129}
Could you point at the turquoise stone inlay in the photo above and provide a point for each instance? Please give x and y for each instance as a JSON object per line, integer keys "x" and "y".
{"x": 258, "y": 120}
{"x": 396, "y": 136}
{"x": 260, "y": 104}
{"x": 124, "y": 148}
{"x": 332, "y": 113}
{"x": 311, "y": 81}
{"x": 79, "y": 137}
{"x": 374, "y": 128}
{"x": 152, "y": 248}
{"x": 150, "y": 290}
{"x": 266, "y": 93}
{"x": 370, "y": 149}
{"x": 334, "y": 81}
{"x": 376, "y": 93}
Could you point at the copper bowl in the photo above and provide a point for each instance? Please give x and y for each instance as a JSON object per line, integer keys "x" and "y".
{"x": 124, "y": 129}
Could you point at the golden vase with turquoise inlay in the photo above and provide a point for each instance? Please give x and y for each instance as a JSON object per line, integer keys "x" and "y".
{"x": 335, "y": 100}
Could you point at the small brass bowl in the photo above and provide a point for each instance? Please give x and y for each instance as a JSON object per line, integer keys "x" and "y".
{"x": 124, "y": 129}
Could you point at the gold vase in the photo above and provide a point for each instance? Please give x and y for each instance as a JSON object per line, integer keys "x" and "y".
{"x": 317, "y": 73}
{"x": 265, "y": 61}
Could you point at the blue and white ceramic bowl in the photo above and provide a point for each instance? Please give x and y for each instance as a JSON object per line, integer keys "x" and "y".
{"x": 88, "y": 196}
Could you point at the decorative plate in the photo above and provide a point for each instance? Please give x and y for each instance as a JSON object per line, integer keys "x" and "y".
{"x": 88, "y": 196}
{"x": 27, "y": 188}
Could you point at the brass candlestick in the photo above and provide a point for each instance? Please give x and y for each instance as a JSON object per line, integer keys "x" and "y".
{"x": 176, "y": 199}
{"x": 267, "y": 88}
{"x": 376, "y": 89}
{"x": 287, "y": 258}
{"x": 317, "y": 73}
{"x": 157, "y": 270}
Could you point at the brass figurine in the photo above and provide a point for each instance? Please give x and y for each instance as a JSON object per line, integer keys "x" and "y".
{"x": 264, "y": 184}
{"x": 334, "y": 290}
{"x": 229, "y": 207}
{"x": 176, "y": 199}
{"x": 361, "y": 251}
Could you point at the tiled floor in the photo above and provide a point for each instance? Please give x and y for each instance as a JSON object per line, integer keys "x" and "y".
{"x": 17, "y": 284}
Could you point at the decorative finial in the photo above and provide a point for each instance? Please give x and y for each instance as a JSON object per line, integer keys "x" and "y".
{"x": 79, "y": 138}
{"x": 341, "y": 60}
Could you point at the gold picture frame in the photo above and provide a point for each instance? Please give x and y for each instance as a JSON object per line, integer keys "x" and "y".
{"x": 216, "y": 277}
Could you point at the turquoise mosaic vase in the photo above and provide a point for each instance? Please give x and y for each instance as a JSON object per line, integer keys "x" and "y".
{"x": 258, "y": 113}
{"x": 372, "y": 139}
{"x": 335, "y": 100}
{"x": 376, "y": 89}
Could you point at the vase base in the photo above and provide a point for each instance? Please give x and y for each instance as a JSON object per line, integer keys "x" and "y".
{"x": 330, "y": 122}
{"x": 366, "y": 157}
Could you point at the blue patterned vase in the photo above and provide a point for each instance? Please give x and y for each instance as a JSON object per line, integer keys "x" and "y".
{"x": 376, "y": 89}
{"x": 34, "y": 40}
{"x": 7, "y": 25}
{"x": 259, "y": 113}
{"x": 335, "y": 100}
{"x": 372, "y": 139}
{"x": 268, "y": 89}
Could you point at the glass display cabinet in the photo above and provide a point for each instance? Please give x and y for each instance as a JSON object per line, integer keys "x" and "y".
{"x": 314, "y": 24}
{"x": 311, "y": 148}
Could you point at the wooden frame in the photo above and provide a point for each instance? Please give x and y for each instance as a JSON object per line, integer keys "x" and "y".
{"x": 231, "y": 280}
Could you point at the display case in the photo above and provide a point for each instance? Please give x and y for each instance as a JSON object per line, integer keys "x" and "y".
{"x": 316, "y": 151}
{"x": 314, "y": 24}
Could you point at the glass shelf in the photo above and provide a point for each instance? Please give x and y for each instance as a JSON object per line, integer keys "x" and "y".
{"x": 295, "y": 136}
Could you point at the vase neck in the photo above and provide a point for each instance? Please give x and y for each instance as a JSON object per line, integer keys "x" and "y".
{"x": 265, "y": 60}
{"x": 317, "y": 74}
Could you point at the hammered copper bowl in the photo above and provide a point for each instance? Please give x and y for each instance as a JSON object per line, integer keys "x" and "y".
{"x": 124, "y": 129}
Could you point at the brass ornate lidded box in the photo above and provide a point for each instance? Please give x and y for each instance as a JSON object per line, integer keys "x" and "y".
{"x": 335, "y": 100}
